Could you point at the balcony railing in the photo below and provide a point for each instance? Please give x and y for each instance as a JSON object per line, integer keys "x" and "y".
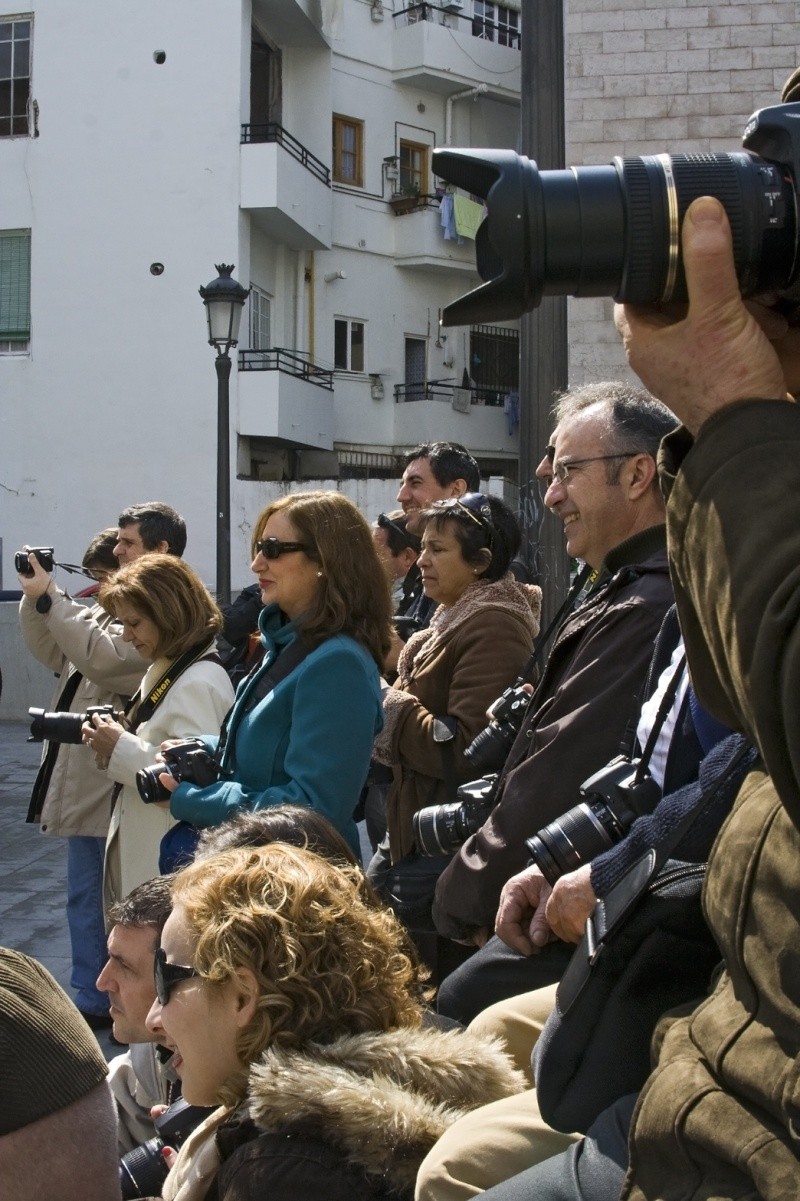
{"x": 443, "y": 389}
{"x": 272, "y": 132}
{"x": 288, "y": 361}
{"x": 499, "y": 29}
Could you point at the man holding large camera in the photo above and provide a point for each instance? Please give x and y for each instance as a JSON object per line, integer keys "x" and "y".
{"x": 601, "y": 481}
{"x": 95, "y": 666}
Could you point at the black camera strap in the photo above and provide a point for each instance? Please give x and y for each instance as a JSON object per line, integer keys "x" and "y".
{"x": 138, "y": 711}
{"x": 586, "y": 577}
{"x": 45, "y": 772}
{"x": 283, "y": 665}
{"x": 661, "y": 716}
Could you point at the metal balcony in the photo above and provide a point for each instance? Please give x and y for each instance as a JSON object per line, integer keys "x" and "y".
{"x": 285, "y": 187}
{"x": 285, "y": 396}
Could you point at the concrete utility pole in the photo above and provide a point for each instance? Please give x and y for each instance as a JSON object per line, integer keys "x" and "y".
{"x": 543, "y": 332}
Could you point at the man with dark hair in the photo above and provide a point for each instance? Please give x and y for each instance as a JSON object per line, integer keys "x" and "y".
{"x": 142, "y": 1076}
{"x": 151, "y": 526}
{"x": 600, "y": 474}
{"x": 398, "y": 550}
{"x": 433, "y": 471}
{"x": 437, "y": 471}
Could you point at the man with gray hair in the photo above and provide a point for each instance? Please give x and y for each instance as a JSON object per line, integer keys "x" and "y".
{"x": 600, "y": 477}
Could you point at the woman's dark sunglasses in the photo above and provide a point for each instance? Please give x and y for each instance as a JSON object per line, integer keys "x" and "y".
{"x": 167, "y": 975}
{"x": 474, "y": 505}
{"x": 273, "y": 548}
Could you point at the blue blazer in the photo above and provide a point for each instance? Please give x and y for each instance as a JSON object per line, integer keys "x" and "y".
{"x": 307, "y": 742}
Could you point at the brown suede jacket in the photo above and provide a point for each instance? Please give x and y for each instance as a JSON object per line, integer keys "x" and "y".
{"x": 471, "y": 652}
{"x": 720, "y": 1115}
{"x": 589, "y": 691}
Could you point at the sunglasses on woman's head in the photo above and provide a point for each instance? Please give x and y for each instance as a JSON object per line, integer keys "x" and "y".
{"x": 273, "y": 548}
{"x": 475, "y": 505}
{"x": 168, "y": 975}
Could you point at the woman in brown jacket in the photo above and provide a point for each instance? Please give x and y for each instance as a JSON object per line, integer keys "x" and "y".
{"x": 478, "y": 641}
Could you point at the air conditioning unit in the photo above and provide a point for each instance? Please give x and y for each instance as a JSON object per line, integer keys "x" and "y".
{"x": 453, "y": 6}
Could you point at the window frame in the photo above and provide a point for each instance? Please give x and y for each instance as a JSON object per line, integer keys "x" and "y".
{"x": 341, "y": 125}
{"x": 19, "y": 121}
{"x": 16, "y": 339}
{"x": 416, "y": 183}
{"x": 350, "y": 324}
{"x": 496, "y": 22}
{"x": 258, "y": 302}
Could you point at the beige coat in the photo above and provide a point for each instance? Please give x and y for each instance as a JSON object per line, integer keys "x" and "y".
{"x": 194, "y": 705}
{"x": 79, "y": 637}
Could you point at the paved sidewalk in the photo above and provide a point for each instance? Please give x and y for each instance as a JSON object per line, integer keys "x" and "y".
{"x": 33, "y": 867}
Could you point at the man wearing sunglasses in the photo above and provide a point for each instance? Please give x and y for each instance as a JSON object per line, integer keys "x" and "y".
{"x": 600, "y": 478}
{"x": 397, "y": 550}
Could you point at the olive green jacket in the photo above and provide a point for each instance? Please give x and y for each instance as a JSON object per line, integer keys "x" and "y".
{"x": 720, "y": 1115}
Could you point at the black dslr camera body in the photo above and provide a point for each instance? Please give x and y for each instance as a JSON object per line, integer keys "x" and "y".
{"x": 143, "y": 1170}
{"x": 63, "y": 727}
{"x": 488, "y": 750}
{"x": 442, "y": 829}
{"x": 45, "y": 555}
{"x": 613, "y": 798}
{"x": 615, "y": 230}
{"x": 187, "y": 760}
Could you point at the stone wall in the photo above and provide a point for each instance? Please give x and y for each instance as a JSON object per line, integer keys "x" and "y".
{"x": 649, "y": 76}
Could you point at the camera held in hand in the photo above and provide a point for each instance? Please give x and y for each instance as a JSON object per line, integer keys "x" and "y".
{"x": 488, "y": 750}
{"x": 186, "y": 761}
{"x": 616, "y": 230}
{"x": 143, "y": 1170}
{"x": 64, "y": 727}
{"x": 613, "y": 798}
{"x": 44, "y": 554}
{"x": 442, "y": 829}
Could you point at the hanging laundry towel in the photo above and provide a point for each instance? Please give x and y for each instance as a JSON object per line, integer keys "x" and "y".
{"x": 447, "y": 217}
{"x": 468, "y": 216}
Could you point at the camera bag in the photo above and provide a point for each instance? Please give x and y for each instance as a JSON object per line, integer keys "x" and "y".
{"x": 647, "y": 949}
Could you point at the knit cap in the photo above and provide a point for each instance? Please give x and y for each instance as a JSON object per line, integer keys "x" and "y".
{"x": 49, "y": 1057}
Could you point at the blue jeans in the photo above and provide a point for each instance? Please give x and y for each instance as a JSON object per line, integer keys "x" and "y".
{"x": 87, "y": 930}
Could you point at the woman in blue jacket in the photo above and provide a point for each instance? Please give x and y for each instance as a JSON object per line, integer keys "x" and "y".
{"x": 302, "y": 725}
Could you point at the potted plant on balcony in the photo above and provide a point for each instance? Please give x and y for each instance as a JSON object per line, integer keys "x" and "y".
{"x": 406, "y": 200}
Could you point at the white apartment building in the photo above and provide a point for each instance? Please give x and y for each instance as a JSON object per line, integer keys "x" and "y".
{"x": 140, "y": 145}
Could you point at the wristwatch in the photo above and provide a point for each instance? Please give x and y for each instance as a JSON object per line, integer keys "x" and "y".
{"x": 44, "y": 603}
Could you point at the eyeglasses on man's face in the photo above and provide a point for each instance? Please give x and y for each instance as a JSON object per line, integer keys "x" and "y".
{"x": 168, "y": 975}
{"x": 561, "y": 469}
{"x": 273, "y": 548}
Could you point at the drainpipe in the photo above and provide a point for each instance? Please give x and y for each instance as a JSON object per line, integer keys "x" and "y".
{"x": 299, "y": 297}
{"x": 311, "y": 282}
{"x": 480, "y": 90}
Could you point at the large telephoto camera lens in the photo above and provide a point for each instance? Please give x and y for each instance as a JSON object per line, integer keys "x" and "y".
{"x": 615, "y": 230}
{"x": 55, "y": 727}
{"x": 574, "y": 839}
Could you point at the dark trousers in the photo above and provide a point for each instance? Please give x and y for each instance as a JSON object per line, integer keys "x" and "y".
{"x": 590, "y": 1170}
{"x": 495, "y": 973}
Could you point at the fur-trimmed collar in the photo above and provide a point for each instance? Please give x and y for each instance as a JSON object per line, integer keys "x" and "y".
{"x": 507, "y": 593}
{"x": 382, "y": 1098}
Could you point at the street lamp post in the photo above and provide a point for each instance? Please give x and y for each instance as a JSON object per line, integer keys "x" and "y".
{"x": 224, "y": 299}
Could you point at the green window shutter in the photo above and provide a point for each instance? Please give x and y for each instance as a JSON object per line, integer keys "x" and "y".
{"x": 15, "y": 285}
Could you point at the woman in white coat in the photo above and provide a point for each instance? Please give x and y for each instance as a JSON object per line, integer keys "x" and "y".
{"x": 169, "y": 616}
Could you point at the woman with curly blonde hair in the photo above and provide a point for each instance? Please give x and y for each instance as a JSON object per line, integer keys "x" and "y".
{"x": 295, "y": 1007}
